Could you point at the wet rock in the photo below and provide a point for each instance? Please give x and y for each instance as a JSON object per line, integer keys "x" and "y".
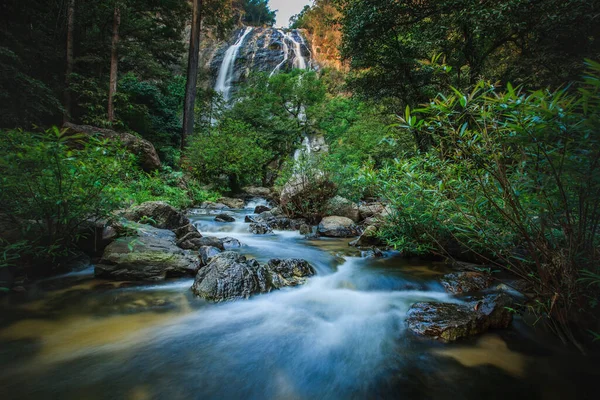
{"x": 158, "y": 214}
{"x": 372, "y": 253}
{"x": 144, "y": 150}
{"x": 207, "y": 253}
{"x": 261, "y": 209}
{"x": 291, "y": 272}
{"x": 224, "y": 218}
{"x": 213, "y": 206}
{"x": 449, "y": 321}
{"x": 230, "y": 243}
{"x": 340, "y": 227}
{"x": 305, "y": 229}
{"x": 466, "y": 282}
{"x": 277, "y": 212}
{"x": 260, "y": 228}
{"x": 248, "y": 219}
{"x": 230, "y": 276}
{"x": 342, "y": 207}
{"x": 232, "y": 202}
{"x": 211, "y": 241}
{"x": 152, "y": 255}
{"x": 184, "y": 230}
{"x": 368, "y": 238}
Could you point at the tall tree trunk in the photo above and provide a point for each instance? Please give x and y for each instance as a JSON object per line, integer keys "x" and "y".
{"x": 192, "y": 73}
{"x": 69, "y": 69}
{"x": 114, "y": 64}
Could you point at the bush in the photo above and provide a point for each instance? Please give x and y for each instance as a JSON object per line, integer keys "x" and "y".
{"x": 518, "y": 182}
{"x": 53, "y": 183}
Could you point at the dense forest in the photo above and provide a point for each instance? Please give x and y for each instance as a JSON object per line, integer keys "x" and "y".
{"x": 469, "y": 130}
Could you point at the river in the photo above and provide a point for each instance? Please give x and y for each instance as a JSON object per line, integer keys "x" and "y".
{"x": 340, "y": 336}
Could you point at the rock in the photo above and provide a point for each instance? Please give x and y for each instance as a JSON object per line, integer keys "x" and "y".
{"x": 368, "y": 238}
{"x": 466, "y": 282}
{"x": 152, "y": 255}
{"x": 158, "y": 214}
{"x": 343, "y": 208}
{"x": 305, "y": 229}
{"x": 214, "y": 206}
{"x": 372, "y": 253}
{"x": 210, "y": 241}
{"x": 291, "y": 272}
{"x": 261, "y": 209}
{"x": 335, "y": 226}
{"x": 144, "y": 150}
{"x": 449, "y": 321}
{"x": 231, "y": 202}
{"x": 277, "y": 212}
{"x": 248, "y": 219}
{"x": 316, "y": 190}
{"x": 230, "y": 243}
{"x": 256, "y": 191}
{"x": 260, "y": 228}
{"x": 187, "y": 232}
{"x": 207, "y": 253}
{"x": 230, "y": 276}
{"x": 224, "y": 218}
{"x": 369, "y": 210}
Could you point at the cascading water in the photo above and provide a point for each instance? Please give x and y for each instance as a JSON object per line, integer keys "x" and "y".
{"x": 286, "y": 51}
{"x": 299, "y": 60}
{"x": 225, "y": 77}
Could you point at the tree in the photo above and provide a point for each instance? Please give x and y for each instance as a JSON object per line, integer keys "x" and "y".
{"x": 69, "y": 60}
{"x": 258, "y": 13}
{"x": 192, "y": 72}
{"x": 114, "y": 64}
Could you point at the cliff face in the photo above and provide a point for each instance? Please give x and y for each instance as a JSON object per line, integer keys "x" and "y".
{"x": 249, "y": 50}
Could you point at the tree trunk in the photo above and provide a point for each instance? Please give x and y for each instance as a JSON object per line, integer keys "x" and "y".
{"x": 69, "y": 69}
{"x": 192, "y": 73}
{"x": 114, "y": 64}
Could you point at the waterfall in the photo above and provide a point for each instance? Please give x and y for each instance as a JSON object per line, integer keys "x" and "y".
{"x": 225, "y": 77}
{"x": 299, "y": 60}
{"x": 286, "y": 51}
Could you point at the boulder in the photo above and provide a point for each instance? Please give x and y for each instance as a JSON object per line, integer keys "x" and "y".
{"x": 256, "y": 191}
{"x": 450, "y": 321}
{"x": 368, "y": 238}
{"x": 207, "y": 253}
{"x": 158, "y": 214}
{"x": 213, "y": 206}
{"x": 466, "y": 282}
{"x": 210, "y": 241}
{"x": 231, "y": 202}
{"x": 305, "y": 229}
{"x": 342, "y": 207}
{"x": 224, "y": 218}
{"x": 151, "y": 255}
{"x": 276, "y": 222}
{"x": 230, "y": 276}
{"x": 260, "y": 228}
{"x": 340, "y": 227}
{"x": 144, "y": 150}
{"x": 261, "y": 209}
{"x": 230, "y": 243}
{"x": 373, "y": 210}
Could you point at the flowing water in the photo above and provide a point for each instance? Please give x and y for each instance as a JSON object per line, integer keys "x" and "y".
{"x": 340, "y": 336}
{"x": 224, "y": 79}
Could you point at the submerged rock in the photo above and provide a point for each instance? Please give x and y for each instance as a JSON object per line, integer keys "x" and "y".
{"x": 224, "y": 218}
{"x": 466, "y": 282}
{"x": 292, "y": 272}
{"x": 230, "y": 276}
{"x": 152, "y": 255}
{"x": 340, "y": 227}
{"x": 450, "y": 321}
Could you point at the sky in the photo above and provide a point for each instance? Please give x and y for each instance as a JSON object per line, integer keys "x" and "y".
{"x": 287, "y": 8}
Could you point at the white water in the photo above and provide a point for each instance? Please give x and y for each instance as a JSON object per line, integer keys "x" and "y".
{"x": 299, "y": 60}
{"x": 224, "y": 80}
{"x": 286, "y": 51}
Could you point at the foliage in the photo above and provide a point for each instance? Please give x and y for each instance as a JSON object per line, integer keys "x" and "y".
{"x": 258, "y": 13}
{"x": 231, "y": 156}
{"x": 513, "y": 177}
{"x": 56, "y": 182}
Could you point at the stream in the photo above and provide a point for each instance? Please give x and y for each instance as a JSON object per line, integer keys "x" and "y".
{"x": 340, "y": 336}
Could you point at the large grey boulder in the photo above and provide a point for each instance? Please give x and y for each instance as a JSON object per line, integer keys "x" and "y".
{"x": 339, "y": 227}
{"x": 373, "y": 210}
{"x": 291, "y": 272}
{"x": 158, "y": 214}
{"x": 207, "y": 253}
{"x": 260, "y": 228}
{"x": 368, "y": 238}
{"x": 466, "y": 282}
{"x": 224, "y": 218}
{"x": 230, "y": 276}
{"x": 449, "y": 322}
{"x": 149, "y": 255}
{"x": 342, "y": 207}
{"x": 257, "y": 191}
{"x": 232, "y": 202}
{"x": 144, "y": 150}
